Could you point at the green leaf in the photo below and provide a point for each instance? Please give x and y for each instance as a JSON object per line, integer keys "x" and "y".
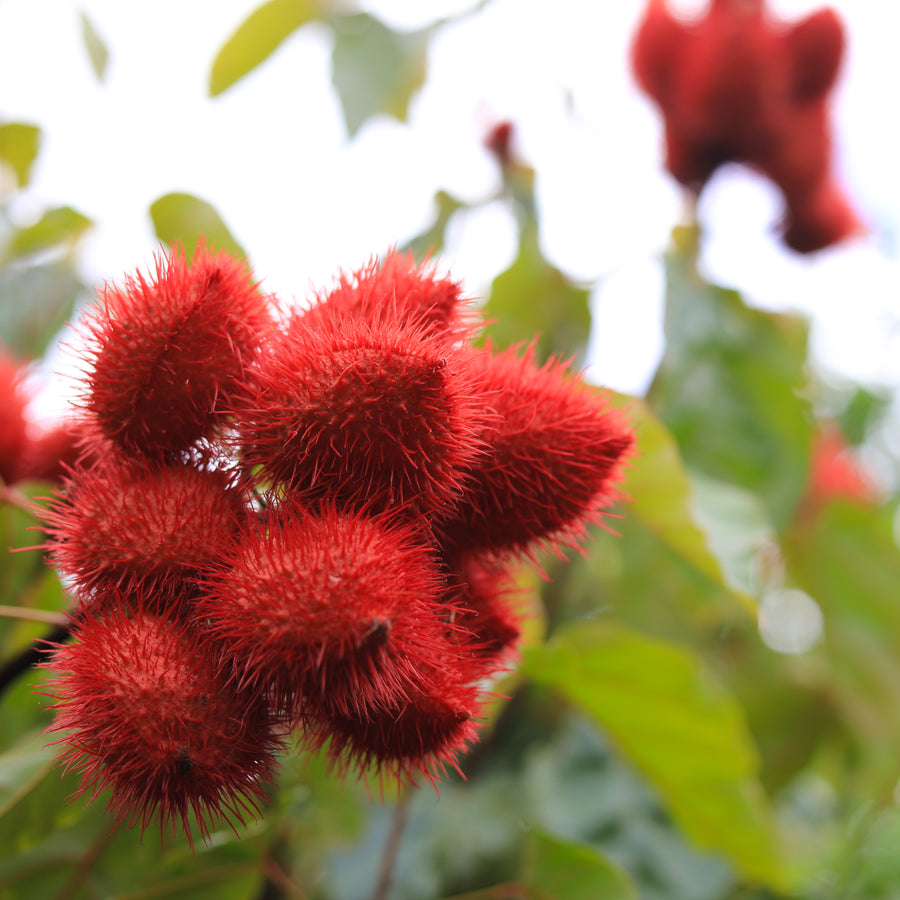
{"x": 534, "y": 299}
{"x": 185, "y": 219}
{"x": 573, "y": 870}
{"x": 663, "y": 496}
{"x": 56, "y": 226}
{"x": 677, "y": 725}
{"x": 96, "y": 47}
{"x": 35, "y": 302}
{"x": 729, "y": 388}
{"x": 432, "y": 240}
{"x": 374, "y": 69}
{"x": 257, "y": 37}
{"x": 19, "y": 145}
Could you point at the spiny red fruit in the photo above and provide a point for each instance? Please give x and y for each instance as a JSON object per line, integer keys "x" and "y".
{"x": 170, "y": 351}
{"x": 738, "y": 86}
{"x": 13, "y": 424}
{"x": 556, "y": 451}
{"x": 483, "y": 596}
{"x": 834, "y": 473}
{"x": 142, "y": 527}
{"x": 147, "y": 714}
{"x": 419, "y": 735}
{"x": 396, "y": 291}
{"x": 380, "y": 416}
{"x": 326, "y": 602}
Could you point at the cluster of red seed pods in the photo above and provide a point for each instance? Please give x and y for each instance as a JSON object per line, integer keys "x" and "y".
{"x": 300, "y": 521}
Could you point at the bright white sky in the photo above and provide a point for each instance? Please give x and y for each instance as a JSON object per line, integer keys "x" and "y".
{"x": 272, "y": 156}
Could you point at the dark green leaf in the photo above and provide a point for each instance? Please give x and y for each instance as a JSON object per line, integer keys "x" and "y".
{"x": 258, "y": 36}
{"x": 56, "y": 226}
{"x": 677, "y": 725}
{"x": 19, "y": 145}
{"x": 35, "y": 303}
{"x": 96, "y": 47}
{"x": 534, "y": 299}
{"x": 375, "y": 70}
{"x": 573, "y": 871}
{"x": 186, "y": 220}
{"x": 729, "y": 388}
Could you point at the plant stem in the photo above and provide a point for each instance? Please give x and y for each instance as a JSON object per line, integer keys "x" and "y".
{"x": 392, "y": 845}
{"x": 86, "y": 863}
{"x": 33, "y": 615}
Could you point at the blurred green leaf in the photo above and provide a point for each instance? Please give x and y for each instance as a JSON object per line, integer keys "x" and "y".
{"x": 729, "y": 388}
{"x": 534, "y": 299}
{"x": 19, "y": 145}
{"x": 679, "y": 727}
{"x": 432, "y": 240}
{"x": 185, "y": 219}
{"x": 256, "y": 38}
{"x": 57, "y": 226}
{"x": 95, "y": 45}
{"x": 663, "y": 498}
{"x": 559, "y": 868}
{"x": 35, "y": 302}
{"x": 374, "y": 69}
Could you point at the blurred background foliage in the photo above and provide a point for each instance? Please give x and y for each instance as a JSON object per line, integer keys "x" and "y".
{"x": 707, "y": 703}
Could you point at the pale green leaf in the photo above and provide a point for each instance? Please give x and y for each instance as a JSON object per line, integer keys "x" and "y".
{"x": 62, "y": 225}
{"x": 574, "y": 871}
{"x": 187, "y": 220}
{"x": 375, "y": 70}
{"x": 677, "y": 725}
{"x": 257, "y": 38}
{"x": 96, "y": 47}
{"x": 19, "y": 145}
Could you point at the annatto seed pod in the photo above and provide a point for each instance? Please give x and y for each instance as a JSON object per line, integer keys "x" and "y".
{"x": 555, "y": 457}
{"x": 147, "y": 714}
{"x": 419, "y": 735}
{"x": 13, "y": 426}
{"x": 143, "y": 527}
{"x": 377, "y": 416}
{"x": 326, "y": 602}
{"x": 397, "y": 291}
{"x": 170, "y": 352}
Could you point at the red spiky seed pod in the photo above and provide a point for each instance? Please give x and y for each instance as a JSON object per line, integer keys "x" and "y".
{"x": 146, "y": 714}
{"x": 418, "y": 736}
{"x": 483, "y": 595}
{"x": 555, "y": 457}
{"x": 170, "y": 351}
{"x": 382, "y": 417}
{"x": 13, "y": 424}
{"x": 326, "y": 602}
{"x": 395, "y": 290}
{"x": 142, "y": 527}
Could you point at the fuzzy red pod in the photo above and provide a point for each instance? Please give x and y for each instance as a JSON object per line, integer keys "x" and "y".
{"x": 326, "y": 602}
{"x": 657, "y": 50}
{"x": 396, "y": 290}
{"x": 483, "y": 595}
{"x": 736, "y": 85}
{"x": 147, "y": 714}
{"x": 814, "y": 47}
{"x": 420, "y": 735}
{"x": 819, "y": 220}
{"x": 142, "y": 527}
{"x": 169, "y": 351}
{"x": 13, "y": 423}
{"x": 379, "y": 416}
{"x": 54, "y": 452}
{"x": 556, "y": 453}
